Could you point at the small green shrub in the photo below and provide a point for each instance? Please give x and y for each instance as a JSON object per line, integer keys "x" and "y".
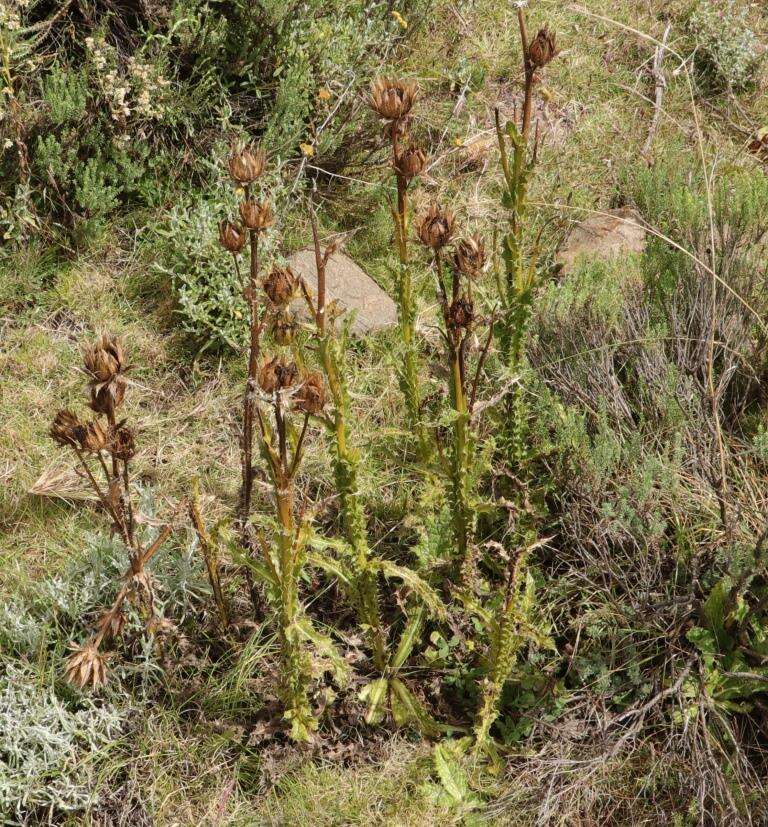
{"x": 727, "y": 53}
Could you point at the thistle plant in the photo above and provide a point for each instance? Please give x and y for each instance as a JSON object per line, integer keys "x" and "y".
{"x": 104, "y": 446}
{"x": 392, "y": 101}
{"x": 280, "y": 395}
{"x": 459, "y": 322}
{"x": 360, "y": 571}
{"x": 517, "y": 284}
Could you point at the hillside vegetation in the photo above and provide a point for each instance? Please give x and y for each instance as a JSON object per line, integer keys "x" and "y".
{"x": 502, "y": 562}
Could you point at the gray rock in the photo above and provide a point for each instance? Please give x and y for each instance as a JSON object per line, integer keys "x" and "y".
{"x": 348, "y": 285}
{"x": 614, "y": 235}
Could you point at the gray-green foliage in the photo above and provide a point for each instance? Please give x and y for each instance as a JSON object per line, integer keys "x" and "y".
{"x": 727, "y": 49}
{"x": 48, "y": 746}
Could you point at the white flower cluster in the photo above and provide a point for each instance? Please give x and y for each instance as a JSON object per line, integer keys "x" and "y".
{"x": 141, "y": 93}
{"x": 10, "y": 17}
{"x": 149, "y": 85}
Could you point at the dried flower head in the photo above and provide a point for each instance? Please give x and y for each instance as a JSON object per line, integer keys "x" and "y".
{"x": 256, "y": 215}
{"x": 435, "y": 227}
{"x": 94, "y": 438}
{"x": 543, "y": 48}
{"x": 105, "y": 358}
{"x": 410, "y": 162}
{"x": 311, "y": 395}
{"x": 461, "y": 313}
{"x": 106, "y": 397}
{"x": 247, "y": 165}
{"x": 469, "y": 257}
{"x": 393, "y": 99}
{"x": 283, "y": 327}
{"x": 111, "y": 623}
{"x": 123, "y": 443}
{"x": 86, "y": 666}
{"x": 281, "y": 285}
{"x": 231, "y": 237}
{"x": 66, "y": 429}
{"x": 277, "y": 374}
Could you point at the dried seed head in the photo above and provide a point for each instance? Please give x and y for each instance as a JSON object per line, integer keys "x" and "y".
{"x": 86, "y": 666}
{"x": 111, "y": 623}
{"x": 461, "y": 313}
{"x": 469, "y": 257}
{"x": 435, "y": 227}
{"x": 105, "y": 358}
{"x": 66, "y": 429}
{"x": 231, "y": 237}
{"x": 123, "y": 443}
{"x": 256, "y": 215}
{"x": 393, "y": 99}
{"x": 94, "y": 438}
{"x": 281, "y": 285}
{"x": 410, "y": 162}
{"x": 107, "y": 397}
{"x": 311, "y": 395}
{"x": 543, "y": 49}
{"x": 277, "y": 374}
{"x": 247, "y": 165}
{"x": 284, "y": 327}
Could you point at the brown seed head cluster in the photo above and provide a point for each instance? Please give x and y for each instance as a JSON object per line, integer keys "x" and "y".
{"x": 86, "y": 666}
{"x": 231, "y": 237}
{"x": 281, "y": 285}
{"x": 277, "y": 374}
{"x": 435, "y": 227}
{"x": 256, "y": 215}
{"x": 410, "y": 162}
{"x": 543, "y": 48}
{"x": 247, "y": 165}
{"x": 469, "y": 257}
{"x": 105, "y": 361}
{"x": 393, "y": 99}
{"x": 311, "y": 395}
{"x": 94, "y": 438}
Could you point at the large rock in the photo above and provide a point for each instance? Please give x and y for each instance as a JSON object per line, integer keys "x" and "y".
{"x": 612, "y": 234}
{"x": 351, "y": 287}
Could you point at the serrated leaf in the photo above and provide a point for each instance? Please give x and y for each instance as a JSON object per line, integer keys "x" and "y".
{"x": 416, "y": 584}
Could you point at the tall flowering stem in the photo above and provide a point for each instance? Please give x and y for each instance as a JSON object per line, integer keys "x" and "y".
{"x": 364, "y": 589}
{"x": 435, "y": 229}
{"x": 518, "y": 155}
{"x": 392, "y": 100}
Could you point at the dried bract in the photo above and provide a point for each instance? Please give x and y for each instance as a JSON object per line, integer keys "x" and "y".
{"x": 393, "y": 99}
{"x": 105, "y": 358}
{"x": 94, "y": 438}
{"x": 435, "y": 227}
{"x": 281, "y": 285}
{"x": 231, "y": 237}
{"x": 66, "y": 429}
{"x": 123, "y": 443}
{"x": 311, "y": 395}
{"x": 283, "y": 327}
{"x": 469, "y": 257}
{"x": 543, "y": 49}
{"x": 86, "y": 666}
{"x": 247, "y": 165}
{"x": 277, "y": 374}
{"x": 410, "y": 162}
{"x": 256, "y": 215}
